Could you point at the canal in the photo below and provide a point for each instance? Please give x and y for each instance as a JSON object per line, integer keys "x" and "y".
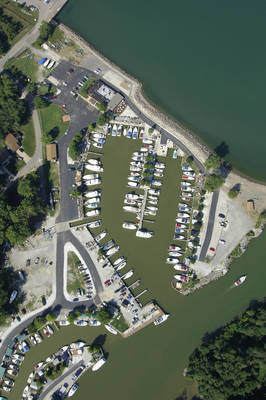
{"x": 149, "y": 365}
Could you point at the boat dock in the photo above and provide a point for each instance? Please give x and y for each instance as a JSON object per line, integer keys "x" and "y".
{"x": 134, "y": 285}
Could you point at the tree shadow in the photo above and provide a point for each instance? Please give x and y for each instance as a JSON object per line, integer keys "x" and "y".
{"x": 237, "y": 187}
{"x": 54, "y": 132}
{"x": 99, "y": 340}
{"x": 222, "y": 149}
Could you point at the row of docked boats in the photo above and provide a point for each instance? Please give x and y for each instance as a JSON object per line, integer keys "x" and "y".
{"x": 98, "y": 140}
{"x": 93, "y": 197}
{"x": 130, "y": 132}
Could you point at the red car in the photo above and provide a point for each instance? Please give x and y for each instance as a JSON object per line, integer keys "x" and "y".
{"x": 212, "y": 249}
{"x": 63, "y": 106}
{"x": 71, "y": 70}
{"x": 54, "y": 97}
{"x": 108, "y": 282}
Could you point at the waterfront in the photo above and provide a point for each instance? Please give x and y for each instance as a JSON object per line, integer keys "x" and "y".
{"x": 150, "y": 363}
{"x": 220, "y": 94}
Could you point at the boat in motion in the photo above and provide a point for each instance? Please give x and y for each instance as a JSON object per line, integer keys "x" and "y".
{"x": 240, "y": 280}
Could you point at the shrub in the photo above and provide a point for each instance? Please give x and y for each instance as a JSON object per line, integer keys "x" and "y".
{"x": 233, "y": 193}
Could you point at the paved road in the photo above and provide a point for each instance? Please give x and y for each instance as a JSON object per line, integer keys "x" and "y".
{"x": 46, "y": 13}
{"x": 54, "y": 384}
{"x": 211, "y": 220}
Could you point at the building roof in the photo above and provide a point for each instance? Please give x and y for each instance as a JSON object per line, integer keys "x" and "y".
{"x": 101, "y": 92}
{"x": 12, "y": 142}
{"x": 51, "y": 152}
{"x": 115, "y": 101}
{"x": 66, "y": 118}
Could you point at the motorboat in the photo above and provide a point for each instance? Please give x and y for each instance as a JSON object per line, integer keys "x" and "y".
{"x": 161, "y": 319}
{"x": 146, "y": 141}
{"x": 125, "y": 132}
{"x": 186, "y": 168}
{"x": 93, "y": 213}
{"x": 174, "y": 248}
{"x": 92, "y": 205}
{"x": 100, "y": 236}
{"x": 152, "y": 208}
{"x": 136, "y": 163}
{"x": 93, "y": 161}
{"x": 143, "y": 150}
{"x": 186, "y": 184}
{"x": 93, "y": 200}
{"x": 188, "y": 178}
{"x": 94, "y": 322}
{"x": 91, "y": 176}
{"x": 189, "y": 173}
{"x": 180, "y": 267}
{"x": 159, "y": 165}
{"x": 175, "y": 153}
{"x": 159, "y": 174}
{"x": 152, "y": 198}
{"x": 180, "y": 226}
{"x": 133, "y": 178}
{"x": 64, "y": 322}
{"x": 98, "y": 145}
{"x": 121, "y": 265}
{"x": 93, "y": 193}
{"x": 133, "y": 184}
{"x": 97, "y": 168}
{"x": 129, "y": 132}
{"x": 99, "y": 364}
{"x": 100, "y": 140}
{"x": 187, "y": 195}
{"x": 240, "y": 280}
{"x": 186, "y": 188}
{"x": 181, "y": 278}
{"x": 128, "y": 274}
{"x": 155, "y": 192}
{"x": 135, "y": 133}
{"x": 94, "y": 224}
{"x": 93, "y": 182}
{"x": 171, "y": 260}
{"x": 139, "y": 158}
{"x": 155, "y": 182}
{"x": 109, "y": 128}
{"x": 129, "y": 225}
{"x": 9, "y": 382}
{"x": 180, "y": 230}
{"x": 130, "y": 202}
{"x": 98, "y": 136}
{"x": 23, "y": 347}
{"x": 179, "y": 237}
{"x": 141, "y": 133}
{"x": 119, "y": 130}
{"x": 81, "y": 322}
{"x": 77, "y": 345}
{"x": 114, "y": 130}
{"x": 132, "y": 196}
{"x": 134, "y": 174}
{"x": 108, "y": 245}
{"x": 183, "y": 215}
{"x": 135, "y": 169}
{"x": 182, "y": 220}
{"x": 12, "y": 372}
{"x": 150, "y": 212}
{"x": 144, "y": 234}
{"x": 174, "y": 254}
{"x": 112, "y": 251}
{"x": 38, "y": 338}
{"x": 73, "y": 390}
{"x": 111, "y": 329}
{"x": 154, "y": 202}
{"x": 18, "y": 357}
{"x": 119, "y": 260}
{"x": 130, "y": 209}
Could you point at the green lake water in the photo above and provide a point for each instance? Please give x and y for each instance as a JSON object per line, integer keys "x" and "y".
{"x": 203, "y": 62}
{"x": 149, "y": 364}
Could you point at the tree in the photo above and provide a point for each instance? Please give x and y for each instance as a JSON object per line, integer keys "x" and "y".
{"x": 101, "y": 119}
{"x": 230, "y": 363}
{"x": 213, "y": 161}
{"x": 39, "y": 322}
{"x": 50, "y": 317}
{"x": 213, "y": 182}
{"x": 104, "y": 317}
{"x": 40, "y": 102}
{"x": 233, "y": 193}
{"x": 46, "y": 30}
{"x": 102, "y": 106}
{"x": 75, "y": 193}
{"x": 46, "y": 138}
{"x": 150, "y": 130}
{"x": 91, "y": 127}
{"x": 94, "y": 349}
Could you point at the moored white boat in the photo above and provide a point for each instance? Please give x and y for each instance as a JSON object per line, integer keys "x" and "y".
{"x": 92, "y": 182}
{"x": 161, "y": 319}
{"x": 91, "y": 176}
{"x": 73, "y": 390}
{"x": 133, "y": 184}
{"x": 99, "y": 364}
{"x": 144, "y": 234}
{"x": 111, "y": 329}
{"x": 129, "y": 225}
{"x": 96, "y": 168}
{"x": 128, "y": 274}
{"x": 121, "y": 265}
{"x": 119, "y": 260}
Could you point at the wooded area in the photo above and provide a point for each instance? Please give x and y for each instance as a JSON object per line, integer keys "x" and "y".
{"x": 231, "y": 363}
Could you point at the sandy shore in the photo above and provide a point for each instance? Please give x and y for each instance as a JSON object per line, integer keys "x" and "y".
{"x": 249, "y": 189}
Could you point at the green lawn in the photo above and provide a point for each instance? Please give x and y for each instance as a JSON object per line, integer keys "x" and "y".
{"x": 76, "y": 281}
{"x": 146, "y": 256}
{"x": 28, "y": 142}
{"x": 51, "y": 120}
{"x": 27, "y": 63}
{"x": 119, "y": 323}
{"x": 84, "y": 90}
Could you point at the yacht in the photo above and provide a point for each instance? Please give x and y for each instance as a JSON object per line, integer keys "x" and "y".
{"x": 133, "y": 184}
{"x": 128, "y": 274}
{"x": 91, "y": 176}
{"x": 179, "y": 237}
{"x": 96, "y": 168}
{"x": 158, "y": 173}
{"x": 121, "y": 265}
{"x": 93, "y": 161}
{"x": 129, "y": 225}
{"x": 99, "y": 364}
{"x": 135, "y": 169}
{"x": 111, "y": 329}
{"x": 133, "y": 178}
{"x": 99, "y": 237}
{"x": 153, "y": 202}
{"x": 189, "y": 173}
{"x": 144, "y": 234}
{"x": 182, "y": 220}
{"x": 161, "y": 319}
{"x": 93, "y": 182}
{"x": 186, "y": 168}
{"x": 119, "y": 260}
{"x": 240, "y": 280}
{"x": 125, "y": 132}
{"x": 94, "y": 224}
{"x": 73, "y": 390}
{"x": 171, "y": 260}
{"x": 130, "y": 202}
{"x": 156, "y": 182}
{"x": 130, "y": 208}
{"x": 132, "y": 196}
{"x": 92, "y": 213}
{"x": 93, "y": 193}
{"x": 186, "y": 184}
{"x": 112, "y": 251}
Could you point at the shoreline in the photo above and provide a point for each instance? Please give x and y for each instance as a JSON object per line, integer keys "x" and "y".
{"x": 138, "y": 96}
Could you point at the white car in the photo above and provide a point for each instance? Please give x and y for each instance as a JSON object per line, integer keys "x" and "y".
{"x": 92, "y": 213}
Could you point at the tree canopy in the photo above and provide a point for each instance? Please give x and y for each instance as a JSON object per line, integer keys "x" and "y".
{"x": 231, "y": 363}
{"x": 213, "y": 182}
{"x": 75, "y": 146}
{"x": 213, "y": 161}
